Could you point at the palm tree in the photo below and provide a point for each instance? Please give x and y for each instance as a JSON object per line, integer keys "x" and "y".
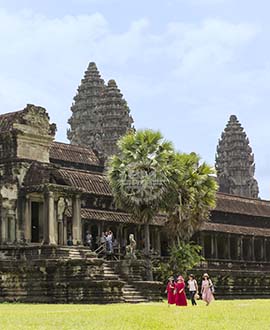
{"x": 141, "y": 177}
{"x": 196, "y": 196}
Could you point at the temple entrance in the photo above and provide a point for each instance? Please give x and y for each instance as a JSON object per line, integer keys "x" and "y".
{"x": 35, "y": 222}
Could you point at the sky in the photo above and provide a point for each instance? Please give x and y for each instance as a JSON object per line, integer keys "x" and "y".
{"x": 184, "y": 66}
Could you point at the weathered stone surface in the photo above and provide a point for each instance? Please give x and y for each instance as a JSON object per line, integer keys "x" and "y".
{"x": 100, "y": 115}
{"x": 235, "y": 162}
{"x": 58, "y": 280}
{"x": 243, "y": 280}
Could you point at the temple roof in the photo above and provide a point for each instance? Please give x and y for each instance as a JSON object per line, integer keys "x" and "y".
{"x": 73, "y": 154}
{"x": 113, "y": 216}
{"x": 242, "y": 205}
{"x": 234, "y": 229}
{"x": 88, "y": 182}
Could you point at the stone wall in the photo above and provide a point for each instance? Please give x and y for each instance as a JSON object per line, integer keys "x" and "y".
{"x": 237, "y": 279}
{"x": 59, "y": 280}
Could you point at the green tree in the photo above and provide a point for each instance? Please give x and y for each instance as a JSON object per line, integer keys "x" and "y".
{"x": 189, "y": 206}
{"x": 183, "y": 257}
{"x": 141, "y": 177}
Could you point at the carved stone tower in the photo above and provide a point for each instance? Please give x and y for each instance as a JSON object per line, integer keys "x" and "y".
{"x": 100, "y": 115}
{"x": 83, "y": 122}
{"x": 235, "y": 162}
{"x": 114, "y": 120}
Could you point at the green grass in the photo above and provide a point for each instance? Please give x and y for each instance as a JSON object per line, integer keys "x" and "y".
{"x": 232, "y": 315}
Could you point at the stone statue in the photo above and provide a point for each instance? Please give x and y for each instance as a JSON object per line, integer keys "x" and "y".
{"x": 131, "y": 248}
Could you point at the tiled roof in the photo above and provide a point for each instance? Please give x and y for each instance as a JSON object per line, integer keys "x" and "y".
{"x": 73, "y": 153}
{"x": 242, "y": 205}
{"x": 88, "y": 182}
{"x": 233, "y": 229}
{"x": 113, "y": 216}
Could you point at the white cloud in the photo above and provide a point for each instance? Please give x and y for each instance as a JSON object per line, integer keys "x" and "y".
{"x": 192, "y": 74}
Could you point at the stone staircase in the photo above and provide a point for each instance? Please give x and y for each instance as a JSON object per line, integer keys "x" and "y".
{"x": 130, "y": 293}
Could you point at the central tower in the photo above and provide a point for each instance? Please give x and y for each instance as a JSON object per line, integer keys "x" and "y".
{"x": 235, "y": 162}
{"x": 100, "y": 114}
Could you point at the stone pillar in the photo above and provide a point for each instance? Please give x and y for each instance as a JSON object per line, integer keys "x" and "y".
{"x": 64, "y": 230}
{"x": 158, "y": 245}
{"x": 212, "y": 246}
{"x": 201, "y": 242}
{"x": 12, "y": 229}
{"x": 265, "y": 249}
{"x": 240, "y": 240}
{"x": 4, "y": 226}
{"x": 229, "y": 246}
{"x": 261, "y": 249}
{"x": 49, "y": 226}
{"x": 27, "y": 219}
{"x": 215, "y": 247}
{"x": 76, "y": 220}
{"x": 252, "y": 248}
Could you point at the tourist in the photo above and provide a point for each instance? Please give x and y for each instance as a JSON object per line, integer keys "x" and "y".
{"x": 180, "y": 296}
{"x": 109, "y": 241}
{"x": 69, "y": 240}
{"x": 207, "y": 288}
{"x": 88, "y": 239}
{"x": 193, "y": 289}
{"x": 170, "y": 291}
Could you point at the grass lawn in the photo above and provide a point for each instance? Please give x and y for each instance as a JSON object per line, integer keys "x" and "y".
{"x": 232, "y": 315}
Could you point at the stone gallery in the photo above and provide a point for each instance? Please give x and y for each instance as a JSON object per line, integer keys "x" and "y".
{"x": 54, "y": 194}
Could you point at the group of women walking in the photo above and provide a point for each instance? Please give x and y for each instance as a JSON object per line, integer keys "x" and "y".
{"x": 176, "y": 290}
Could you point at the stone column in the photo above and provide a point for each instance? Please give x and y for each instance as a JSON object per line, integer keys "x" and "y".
{"x": 27, "y": 220}
{"x": 12, "y": 229}
{"x": 252, "y": 247}
{"x": 264, "y": 249}
{"x": 158, "y": 245}
{"x": 240, "y": 248}
{"x": 76, "y": 220}
{"x": 3, "y": 226}
{"x": 201, "y": 243}
{"x": 64, "y": 230}
{"x": 212, "y": 246}
{"x": 229, "y": 246}
{"x": 49, "y": 226}
{"x": 215, "y": 247}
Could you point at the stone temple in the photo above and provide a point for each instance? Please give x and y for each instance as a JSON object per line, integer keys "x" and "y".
{"x": 55, "y": 193}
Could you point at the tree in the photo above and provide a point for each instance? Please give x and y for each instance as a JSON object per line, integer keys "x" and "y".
{"x": 141, "y": 177}
{"x": 190, "y": 205}
{"x": 183, "y": 257}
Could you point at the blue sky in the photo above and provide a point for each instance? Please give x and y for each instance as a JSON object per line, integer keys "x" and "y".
{"x": 184, "y": 66}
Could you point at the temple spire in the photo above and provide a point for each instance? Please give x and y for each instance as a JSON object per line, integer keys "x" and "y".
{"x": 100, "y": 115}
{"x": 114, "y": 120}
{"x": 84, "y": 119}
{"x": 235, "y": 162}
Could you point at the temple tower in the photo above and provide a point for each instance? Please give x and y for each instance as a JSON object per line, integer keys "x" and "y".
{"x": 114, "y": 120}
{"x": 100, "y": 115}
{"x": 83, "y": 121}
{"x": 235, "y": 162}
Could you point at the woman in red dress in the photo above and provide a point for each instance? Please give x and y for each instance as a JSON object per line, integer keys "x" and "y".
{"x": 170, "y": 291}
{"x": 180, "y": 296}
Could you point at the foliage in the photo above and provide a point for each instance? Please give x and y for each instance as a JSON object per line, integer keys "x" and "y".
{"x": 140, "y": 174}
{"x": 183, "y": 257}
{"x": 220, "y": 315}
{"x": 195, "y": 197}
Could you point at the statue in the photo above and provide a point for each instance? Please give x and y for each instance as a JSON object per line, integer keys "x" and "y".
{"x": 131, "y": 248}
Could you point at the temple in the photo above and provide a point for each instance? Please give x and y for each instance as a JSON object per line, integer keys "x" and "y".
{"x": 53, "y": 194}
